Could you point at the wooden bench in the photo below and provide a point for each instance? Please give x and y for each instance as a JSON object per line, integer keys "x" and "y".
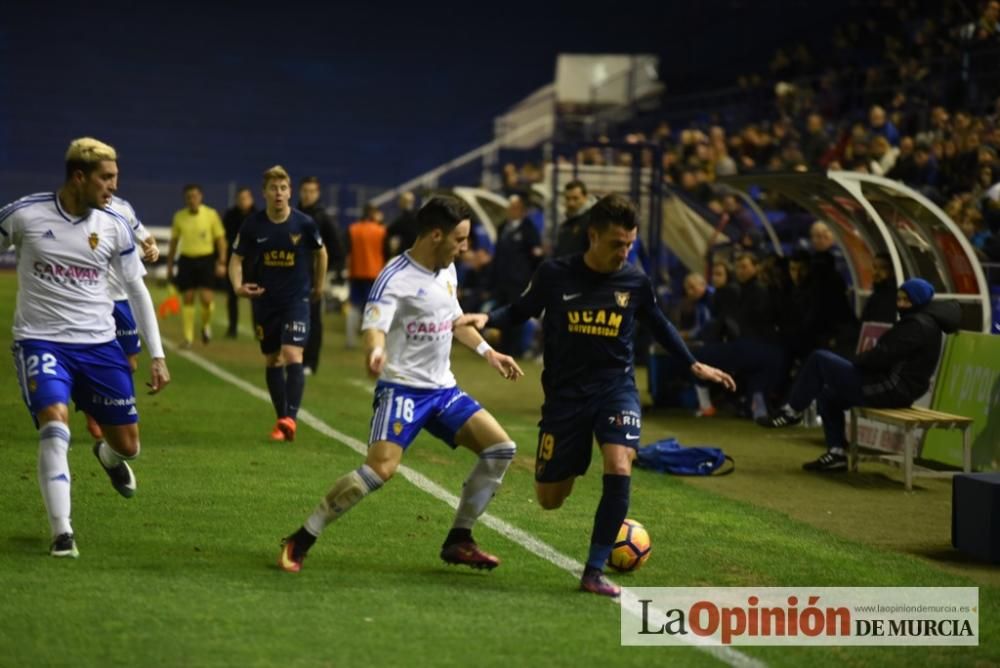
{"x": 910, "y": 419}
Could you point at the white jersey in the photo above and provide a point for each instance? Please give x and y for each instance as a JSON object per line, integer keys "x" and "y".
{"x": 121, "y": 207}
{"x": 415, "y": 308}
{"x": 62, "y": 269}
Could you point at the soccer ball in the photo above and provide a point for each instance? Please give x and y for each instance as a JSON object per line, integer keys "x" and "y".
{"x": 632, "y": 547}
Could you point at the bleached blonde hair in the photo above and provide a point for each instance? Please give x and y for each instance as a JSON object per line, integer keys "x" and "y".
{"x": 85, "y": 153}
{"x": 276, "y": 173}
{"x": 88, "y": 149}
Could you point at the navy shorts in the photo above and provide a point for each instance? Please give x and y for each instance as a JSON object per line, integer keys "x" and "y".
{"x": 282, "y": 324}
{"x": 126, "y": 331}
{"x": 96, "y": 377}
{"x": 568, "y": 428}
{"x": 402, "y": 411}
{"x": 359, "y": 289}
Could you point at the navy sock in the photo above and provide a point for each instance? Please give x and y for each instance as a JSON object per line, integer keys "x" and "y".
{"x": 295, "y": 385}
{"x": 611, "y": 512}
{"x": 275, "y": 376}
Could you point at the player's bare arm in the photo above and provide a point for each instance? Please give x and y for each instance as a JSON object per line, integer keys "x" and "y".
{"x": 468, "y": 335}
{"x": 375, "y": 357}
{"x": 713, "y": 375}
{"x": 320, "y": 259}
{"x": 248, "y": 290}
{"x": 150, "y": 251}
{"x": 159, "y": 375}
{"x": 476, "y": 320}
{"x": 220, "y": 257}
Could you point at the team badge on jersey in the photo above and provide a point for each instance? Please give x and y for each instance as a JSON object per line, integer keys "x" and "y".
{"x": 93, "y": 241}
{"x": 295, "y": 239}
{"x": 397, "y": 428}
{"x": 622, "y": 298}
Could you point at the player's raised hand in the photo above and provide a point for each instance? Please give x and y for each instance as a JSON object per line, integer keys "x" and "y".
{"x": 376, "y": 362}
{"x": 250, "y": 290}
{"x": 150, "y": 251}
{"x": 711, "y": 374}
{"x": 504, "y": 364}
{"x": 477, "y": 320}
{"x": 159, "y": 375}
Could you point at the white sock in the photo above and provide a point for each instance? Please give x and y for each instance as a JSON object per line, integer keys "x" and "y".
{"x": 483, "y": 482}
{"x": 758, "y": 406}
{"x": 53, "y": 474}
{"x": 353, "y": 324}
{"x": 344, "y": 495}
{"x": 109, "y": 457}
{"x": 704, "y": 397}
{"x": 837, "y": 451}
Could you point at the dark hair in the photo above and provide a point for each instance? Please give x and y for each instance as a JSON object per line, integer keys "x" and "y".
{"x": 442, "y": 212}
{"x": 240, "y": 189}
{"x": 309, "y": 179}
{"x": 801, "y": 256}
{"x": 613, "y": 209}
{"x": 750, "y": 256}
{"x": 576, "y": 183}
{"x": 82, "y": 165}
{"x": 192, "y": 186}
{"x": 369, "y": 211}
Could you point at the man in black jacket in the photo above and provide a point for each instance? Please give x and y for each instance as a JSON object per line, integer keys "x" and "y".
{"x": 893, "y": 374}
{"x": 572, "y": 234}
{"x": 231, "y": 221}
{"x": 309, "y": 204}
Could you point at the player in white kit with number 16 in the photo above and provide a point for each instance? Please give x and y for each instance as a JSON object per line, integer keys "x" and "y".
{"x": 410, "y": 318}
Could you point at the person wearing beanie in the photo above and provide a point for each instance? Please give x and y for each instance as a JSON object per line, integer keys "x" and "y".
{"x": 893, "y": 374}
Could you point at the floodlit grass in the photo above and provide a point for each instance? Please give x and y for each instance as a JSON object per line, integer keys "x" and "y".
{"x": 183, "y": 574}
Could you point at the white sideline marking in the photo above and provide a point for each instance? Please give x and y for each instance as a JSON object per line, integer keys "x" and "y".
{"x": 629, "y": 601}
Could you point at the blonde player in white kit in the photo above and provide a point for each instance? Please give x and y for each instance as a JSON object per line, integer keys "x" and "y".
{"x": 64, "y": 334}
{"x": 410, "y": 319}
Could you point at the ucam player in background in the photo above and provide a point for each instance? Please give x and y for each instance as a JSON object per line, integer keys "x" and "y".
{"x": 410, "y": 319}
{"x": 289, "y": 262}
{"x": 126, "y": 329}
{"x": 64, "y": 332}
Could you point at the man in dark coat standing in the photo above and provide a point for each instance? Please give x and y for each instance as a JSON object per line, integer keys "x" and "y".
{"x": 309, "y": 204}
{"x": 893, "y": 374}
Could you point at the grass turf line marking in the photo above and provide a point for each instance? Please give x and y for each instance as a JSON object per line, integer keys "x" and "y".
{"x": 629, "y": 601}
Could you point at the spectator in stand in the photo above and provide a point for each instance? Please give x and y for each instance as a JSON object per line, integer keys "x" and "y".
{"x": 310, "y": 204}
{"x": 835, "y": 325}
{"x": 231, "y": 222}
{"x": 920, "y": 172}
{"x": 752, "y": 349}
{"x": 881, "y": 305}
{"x": 883, "y": 156}
{"x": 572, "y": 234}
{"x": 879, "y": 124}
{"x": 365, "y": 259}
{"x": 893, "y": 374}
{"x": 695, "y": 185}
{"x": 402, "y": 231}
{"x": 693, "y": 317}
{"x": 473, "y": 269}
{"x": 518, "y": 253}
{"x": 815, "y": 141}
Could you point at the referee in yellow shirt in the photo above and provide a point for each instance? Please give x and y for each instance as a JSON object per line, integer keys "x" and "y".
{"x": 198, "y": 230}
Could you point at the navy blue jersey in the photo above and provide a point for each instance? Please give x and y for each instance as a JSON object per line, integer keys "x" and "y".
{"x": 589, "y": 324}
{"x": 281, "y": 253}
